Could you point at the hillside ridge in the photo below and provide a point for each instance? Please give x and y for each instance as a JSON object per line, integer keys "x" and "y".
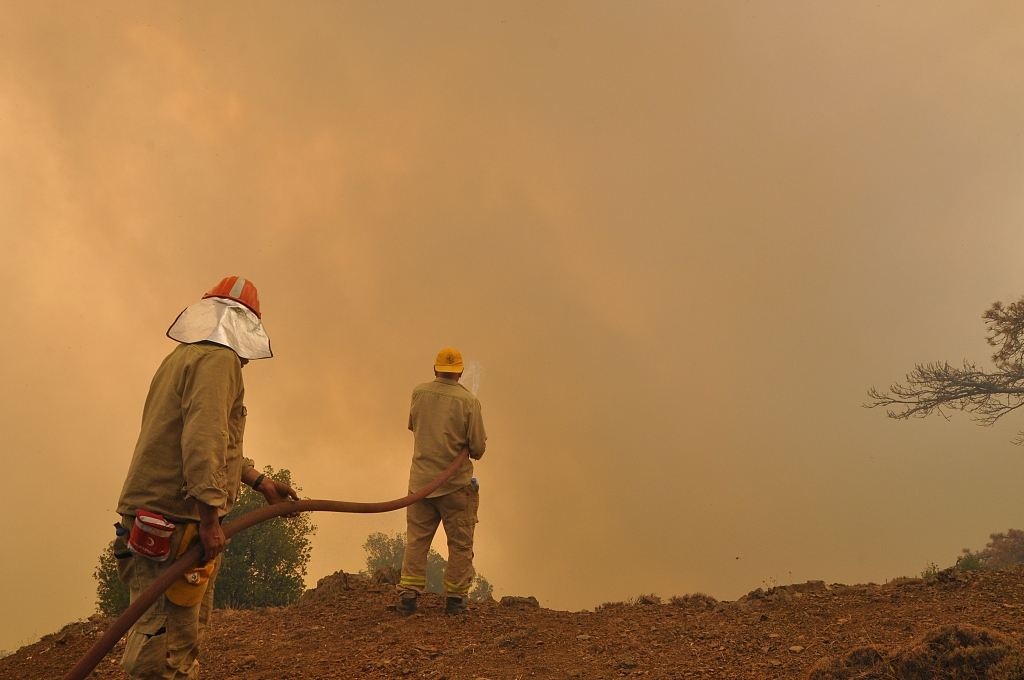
{"x": 346, "y": 627}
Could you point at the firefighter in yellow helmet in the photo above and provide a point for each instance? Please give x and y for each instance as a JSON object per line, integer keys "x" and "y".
{"x": 445, "y": 419}
{"x": 185, "y": 475}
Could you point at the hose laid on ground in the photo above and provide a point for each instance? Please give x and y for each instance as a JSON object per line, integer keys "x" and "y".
{"x": 145, "y": 599}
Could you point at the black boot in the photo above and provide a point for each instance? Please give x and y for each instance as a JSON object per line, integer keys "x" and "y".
{"x": 406, "y": 604}
{"x": 454, "y": 606}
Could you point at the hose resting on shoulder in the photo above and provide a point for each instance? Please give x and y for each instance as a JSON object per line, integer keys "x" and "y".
{"x": 156, "y": 589}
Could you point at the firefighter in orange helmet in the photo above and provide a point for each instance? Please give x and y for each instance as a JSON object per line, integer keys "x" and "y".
{"x": 186, "y": 472}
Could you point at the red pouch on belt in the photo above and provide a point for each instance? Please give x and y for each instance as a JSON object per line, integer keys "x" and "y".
{"x": 151, "y": 536}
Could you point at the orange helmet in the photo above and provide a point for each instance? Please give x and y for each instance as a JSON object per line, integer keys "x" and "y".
{"x": 238, "y": 289}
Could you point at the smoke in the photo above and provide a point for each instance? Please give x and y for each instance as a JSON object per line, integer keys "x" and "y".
{"x": 682, "y": 239}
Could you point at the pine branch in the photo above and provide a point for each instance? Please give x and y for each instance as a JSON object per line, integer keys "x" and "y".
{"x": 930, "y": 387}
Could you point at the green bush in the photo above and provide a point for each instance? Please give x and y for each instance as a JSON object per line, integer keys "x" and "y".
{"x": 265, "y": 566}
{"x": 482, "y": 591}
{"x": 969, "y": 561}
{"x": 111, "y": 594}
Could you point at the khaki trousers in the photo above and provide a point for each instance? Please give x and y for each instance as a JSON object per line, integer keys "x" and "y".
{"x": 164, "y": 643}
{"x": 458, "y": 512}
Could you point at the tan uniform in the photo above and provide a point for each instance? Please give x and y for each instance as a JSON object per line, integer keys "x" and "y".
{"x": 189, "y": 449}
{"x": 190, "y": 444}
{"x": 445, "y": 418}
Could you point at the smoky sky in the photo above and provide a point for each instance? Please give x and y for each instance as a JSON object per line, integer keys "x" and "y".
{"x": 681, "y": 239}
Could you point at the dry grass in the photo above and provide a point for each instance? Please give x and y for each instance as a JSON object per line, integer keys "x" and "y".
{"x": 955, "y": 652}
{"x": 697, "y": 601}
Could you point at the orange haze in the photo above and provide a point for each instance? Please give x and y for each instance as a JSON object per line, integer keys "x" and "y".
{"x": 682, "y": 239}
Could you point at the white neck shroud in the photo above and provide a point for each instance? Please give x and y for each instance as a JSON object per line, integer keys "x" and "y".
{"x": 224, "y": 322}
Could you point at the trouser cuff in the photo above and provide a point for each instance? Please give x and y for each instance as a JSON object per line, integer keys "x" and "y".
{"x": 413, "y": 584}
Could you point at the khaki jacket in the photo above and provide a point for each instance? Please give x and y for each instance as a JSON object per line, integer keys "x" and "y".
{"x": 190, "y": 444}
{"x": 444, "y": 418}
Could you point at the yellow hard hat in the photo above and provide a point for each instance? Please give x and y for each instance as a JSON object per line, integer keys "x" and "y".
{"x": 449, "y": 360}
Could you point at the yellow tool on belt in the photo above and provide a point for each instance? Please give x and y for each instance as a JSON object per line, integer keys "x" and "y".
{"x": 188, "y": 590}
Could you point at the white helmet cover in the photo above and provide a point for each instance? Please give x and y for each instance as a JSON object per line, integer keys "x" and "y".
{"x": 224, "y": 322}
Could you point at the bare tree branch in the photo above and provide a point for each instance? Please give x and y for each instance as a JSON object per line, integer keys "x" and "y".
{"x": 986, "y": 395}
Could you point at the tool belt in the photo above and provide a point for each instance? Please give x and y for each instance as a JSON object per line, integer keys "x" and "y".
{"x": 150, "y": 535}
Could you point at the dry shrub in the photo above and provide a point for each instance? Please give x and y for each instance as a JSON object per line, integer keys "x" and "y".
{"x": 694, "y": 601}
{"x": 334, "y": 587}
{"x": 962, "y": 651}
{"x": 386, "y": 575}
{"x": 650, "y": 598}
{"x": 955, "y": 652}
{"x": 609, "y": 605}
{"x": 528, "y": 602}
{"x": 862, "y": 663}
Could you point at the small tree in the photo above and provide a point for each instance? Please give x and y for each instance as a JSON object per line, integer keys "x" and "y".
{"x": 482, "y": 590}
{"x": 111, "y": 593}
{"x": 987, "y": 395}
{"x": 262, "y": 567}
{"x": 265, "y": 566}
{"x": 387, "y": 552}
{"x": 383, "y": 551}
{"x": 1003, "y": 550}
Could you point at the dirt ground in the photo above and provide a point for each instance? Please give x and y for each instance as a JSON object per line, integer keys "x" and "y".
{"x": 958, "y": 626}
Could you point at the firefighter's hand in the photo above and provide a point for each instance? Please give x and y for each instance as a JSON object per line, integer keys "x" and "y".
{"x": 212, "y": 537}
{"x": 277, "y": 492}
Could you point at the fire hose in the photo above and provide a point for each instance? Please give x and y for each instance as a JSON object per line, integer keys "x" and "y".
{"x": 146, "y": 599}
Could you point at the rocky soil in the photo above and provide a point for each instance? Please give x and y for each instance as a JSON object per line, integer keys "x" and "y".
{"x": 957, "y": 626}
